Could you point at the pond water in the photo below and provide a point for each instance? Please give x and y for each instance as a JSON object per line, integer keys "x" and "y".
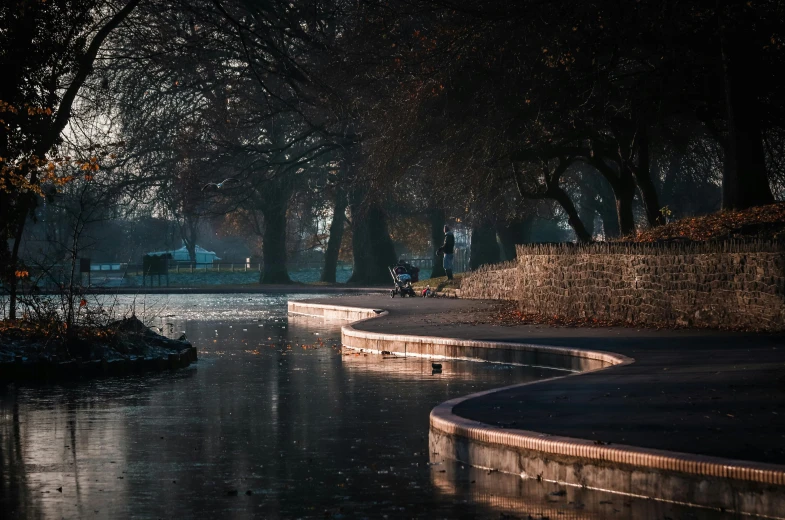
{"x": 274, "y": 421}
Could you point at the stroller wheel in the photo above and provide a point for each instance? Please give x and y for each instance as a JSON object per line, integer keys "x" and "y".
{"x": 392, "y": 294}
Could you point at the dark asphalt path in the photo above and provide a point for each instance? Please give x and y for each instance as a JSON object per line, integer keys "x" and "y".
{"x": 696, "y": 391}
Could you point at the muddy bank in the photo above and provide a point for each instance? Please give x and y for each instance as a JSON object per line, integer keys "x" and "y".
{"x": 42, "y": 352}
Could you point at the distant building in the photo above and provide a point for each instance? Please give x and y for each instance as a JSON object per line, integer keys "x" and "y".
{"x": 203, "y": 256}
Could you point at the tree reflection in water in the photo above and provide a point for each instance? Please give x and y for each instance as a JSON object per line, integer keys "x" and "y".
{"x": 273, "y": 421}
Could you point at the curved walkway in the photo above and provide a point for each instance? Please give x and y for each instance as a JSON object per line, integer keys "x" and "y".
{"x": 713, "y": 394}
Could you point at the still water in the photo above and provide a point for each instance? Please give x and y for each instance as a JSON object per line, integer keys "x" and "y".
{"x": 274, "y": 421}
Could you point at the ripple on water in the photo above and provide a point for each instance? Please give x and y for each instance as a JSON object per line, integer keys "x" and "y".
{"x": 273, "y": 421}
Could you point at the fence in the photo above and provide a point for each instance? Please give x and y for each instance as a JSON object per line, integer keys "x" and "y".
{"x": 460, "y": 261}
{"x": 124, "y": 274}
{"x": 134, "y": 269}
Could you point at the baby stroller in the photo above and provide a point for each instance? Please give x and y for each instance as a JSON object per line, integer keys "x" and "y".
{"x": 403, "y": 275}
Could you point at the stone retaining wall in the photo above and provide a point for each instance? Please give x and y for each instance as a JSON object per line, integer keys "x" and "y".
{"x": 730, "y": 284}
{"x": 491, "y": 282}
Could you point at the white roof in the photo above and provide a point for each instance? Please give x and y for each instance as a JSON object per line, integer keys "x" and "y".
{"x": 198, "y": 250}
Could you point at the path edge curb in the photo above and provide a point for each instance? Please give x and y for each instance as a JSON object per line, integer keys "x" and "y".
{"x": 444, "y": 421}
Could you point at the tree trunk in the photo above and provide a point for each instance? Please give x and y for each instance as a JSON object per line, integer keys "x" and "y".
{"x": 484, "y": 249}
{"x": 586, "y": 209}
{"x": 623, "y": 185}
{"x": 596, "y": 199}
{"x": 558, "y": 194}
{"x": 607, "y": 211}
{"x": 14, "y": 266}
{"x": 274, "y": 203}
{"x": 624, "y": 192}
{"x": 745, "y": 182}
{"x": 191, "y": 248}
{"x": 372, "y": 247}
{"x": 646, "y": 187}
{"x": 274, "y": 245}
{"x": 336, "y": 236}
{"x": 669, "y": 182}
{"x": 190, "y": 234}
{"x": 436, "y": 217}
{"x": 512, "y": 234}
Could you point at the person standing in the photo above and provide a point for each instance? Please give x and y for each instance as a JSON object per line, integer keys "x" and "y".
{"x": 448, "y": 249}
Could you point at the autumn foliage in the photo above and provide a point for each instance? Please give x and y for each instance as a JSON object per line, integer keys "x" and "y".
{"x": 507, "y": 314}
{"x": 760, "y": 221}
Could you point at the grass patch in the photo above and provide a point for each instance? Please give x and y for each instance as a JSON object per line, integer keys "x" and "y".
{"x": 440, "y": 283}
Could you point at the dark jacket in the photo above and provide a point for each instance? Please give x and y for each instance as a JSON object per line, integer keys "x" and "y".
{"x": 449, "y": 244}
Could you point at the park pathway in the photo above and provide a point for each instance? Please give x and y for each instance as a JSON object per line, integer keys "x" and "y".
{"x": 704, "y": 392}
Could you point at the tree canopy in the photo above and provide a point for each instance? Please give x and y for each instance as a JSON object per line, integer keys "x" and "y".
{"x": 608, "y": 119}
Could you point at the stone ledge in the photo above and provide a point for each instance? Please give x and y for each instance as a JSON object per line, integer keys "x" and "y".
{"x": 445, "y": 421}
{"x": 332, "y": 312}
{"x": 563, "y": 358}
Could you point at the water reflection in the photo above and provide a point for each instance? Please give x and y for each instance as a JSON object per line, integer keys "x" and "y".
{"x": 512, "y": 497}
{"x": 274, "y": 421}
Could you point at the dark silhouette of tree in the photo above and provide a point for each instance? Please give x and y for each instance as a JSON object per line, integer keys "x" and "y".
{"x": 49, "y": 49}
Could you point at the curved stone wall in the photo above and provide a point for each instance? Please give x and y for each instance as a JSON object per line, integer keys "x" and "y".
{"x": 744, "y": 487}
